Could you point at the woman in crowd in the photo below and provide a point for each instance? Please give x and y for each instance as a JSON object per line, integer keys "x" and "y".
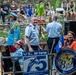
{"x": 13, "y": 7}
{"x": 21, "y": 14}
{"x": 70, "y": 41}
{"x": 48, "y": 7}
{"x": 64, "y": 5}
{"x": 14, "y": 31}
{"x": 71, "y": 9}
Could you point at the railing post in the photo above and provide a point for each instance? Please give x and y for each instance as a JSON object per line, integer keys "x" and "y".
{"x": 51, "y": 57}
{"x": 0, "y": 64}
{"x": 13, "y": 66}
{"x": 50, "y": 63}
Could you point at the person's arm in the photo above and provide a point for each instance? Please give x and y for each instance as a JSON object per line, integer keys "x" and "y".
{"x": 64, "y": 44}
{"x": 44, "y": 29}
{"x": 40, "y": 48}
{"x": 27, "y": 35}
{"x": 67, "y": 7}
{"x": 3, "y": 10}
{"x": 15, "y": 10}
{"x": 74, "y": 6}
{"x": 28, "y": 44}
{"x": 73, "y": 45}
{"x": 18, "y": 52}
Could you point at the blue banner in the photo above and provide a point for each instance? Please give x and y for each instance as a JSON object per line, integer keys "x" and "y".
{"x": 36, "y": 63}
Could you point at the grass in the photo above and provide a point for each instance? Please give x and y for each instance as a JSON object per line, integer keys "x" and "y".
{"x": 5, "y": 34}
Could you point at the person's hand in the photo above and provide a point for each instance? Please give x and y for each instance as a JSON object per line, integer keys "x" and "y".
{"x": 65, "y": 48}
{"x": 1, "y": 9}
{"x": 40, "y": 48}
{"x": 31, "y": 50}
{"x": 42, "y": 28}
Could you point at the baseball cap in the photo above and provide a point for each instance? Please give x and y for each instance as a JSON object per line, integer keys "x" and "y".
{"x": 20, "y": 42}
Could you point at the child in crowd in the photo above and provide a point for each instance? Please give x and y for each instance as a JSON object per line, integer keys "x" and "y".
{"x": 8, "y": 63}
{"x": 19, "y": 50}
{"x": 18, "y": 61}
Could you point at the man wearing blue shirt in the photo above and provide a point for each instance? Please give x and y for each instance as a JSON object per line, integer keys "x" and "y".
{"x": 53, "y": 29}
{"x": 32, "y": 35}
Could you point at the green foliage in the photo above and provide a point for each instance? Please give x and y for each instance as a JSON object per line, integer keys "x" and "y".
{"x": 36, "y": 8}
{"x": 56, "y": 4}
{"x": 43, "y": 36}
{"x": 71, "y": 9}
{"x": 40, "y": 10}
{"x": 22, "y": 35}
{"x": 3, "y": 34}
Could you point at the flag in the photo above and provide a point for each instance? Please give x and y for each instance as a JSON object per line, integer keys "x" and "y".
{"x": 60, "y": 44}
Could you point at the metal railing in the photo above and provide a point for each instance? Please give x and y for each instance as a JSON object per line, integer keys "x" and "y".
{"x": 51, "y": 57}
{"x": 13, "y": 67}
{"x": 13, "y": 72}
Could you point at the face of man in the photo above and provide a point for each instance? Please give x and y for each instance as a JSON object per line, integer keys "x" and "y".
{"x": 34, "y": 21}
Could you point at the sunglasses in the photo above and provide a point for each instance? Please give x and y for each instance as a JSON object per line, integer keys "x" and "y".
{"x": 17, "y": 43}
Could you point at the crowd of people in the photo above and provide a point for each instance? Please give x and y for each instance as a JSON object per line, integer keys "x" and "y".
{"x": 53, "y": 28}
{"x": 22, "y": 11}
{"x": 45, "y": 9}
